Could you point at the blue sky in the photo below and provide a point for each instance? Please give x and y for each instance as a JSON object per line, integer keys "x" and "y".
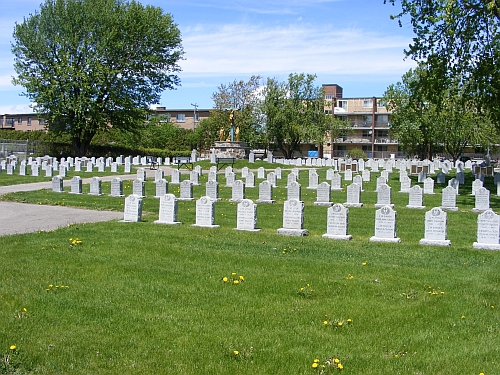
{"x": 352, "y": 43}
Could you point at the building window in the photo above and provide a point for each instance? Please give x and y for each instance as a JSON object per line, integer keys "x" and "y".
{"x": 367, "y": 103}
{"x": 29, "y": 121}
{"x": 9, "y": 121}
{"x": 382, "y": 148}
{"x": 328, "y": 97}
{"x": 180, "y": 117}
{"x": 382, "y": 133}
{"x": 367, "y": 133}
{"x": 367, "y": 120}
{"x": 41, "y": 121}
{"x": 19, "y": 120}
{"x": 381, "y": 103}
{"x": 343, "y": 118}
{"x": 328, "y": 111}
{"x": 196, "y": 117}
{"x": 342, "y": 104}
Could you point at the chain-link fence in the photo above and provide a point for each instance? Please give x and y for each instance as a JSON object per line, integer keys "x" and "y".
{"x": 11, "y": 147}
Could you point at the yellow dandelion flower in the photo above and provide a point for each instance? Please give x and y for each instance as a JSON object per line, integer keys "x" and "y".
{"x": 233, "y": 273}
{"x": 235, "y": 352}
{"x": 325, "y": 322}
{"x": 13, "y": 347}
{"x": 492, "y": 306}
{"x": 235, "y": 282}
{"x": 463, "y": 316}
{"x": 339, "y": 366}
{"x": 316, "y": 360}
{"x": 314, "y": 365}
{"x": 442, "y": 292}
{"x": 24, "y": 309}
{"x": 242, "y": 278}
{"x": 363, "y": 264}
{"x": 224, "y": 279}
{"x": 336, "y": 360}
{"x": 349, "y": 321}
{"x": 340, "y": 324}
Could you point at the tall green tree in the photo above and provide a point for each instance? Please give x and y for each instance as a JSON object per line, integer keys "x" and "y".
{"x": 458, "y": 38}
{"x": 294, "y": 112}
{"x": 237, "y": 103}
{"x": 92, "y": 64}
{"x": 424, "y": 122}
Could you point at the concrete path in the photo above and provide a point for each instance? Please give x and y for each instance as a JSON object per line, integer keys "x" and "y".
{"x": 26, "y": 218}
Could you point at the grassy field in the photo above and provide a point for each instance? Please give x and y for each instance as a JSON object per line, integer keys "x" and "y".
{"x": 140, "y": 298}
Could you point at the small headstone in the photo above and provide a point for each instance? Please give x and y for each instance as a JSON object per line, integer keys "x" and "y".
{"x": 141, "y": 173}
{"x": 449, "y": 199}
{"x": 251, "y": 157}
{"x": 95, "y": 186}
{"x": 161, "y": 188}
{"x": 482, "y": 200}
{"x": 488, "y": 231}
{"x": 385, "y": 225}
{"x": 428, "y": 186}
{"x": 436, "y": 226}
{"x": 402, "y": 174}
{"x": 57, "y": 184}
{"x": 337, "y": 182}
{"x": 246, "y": 218}
{"x": 194, "y": 178}
{"x": 271, "y": 177}
{"x": 323, "y": 195}
{"x": 35, "y": 170}
{"x": 238, "y": 191}
{"x": 159, "y": 174}
{"x": 212, "y": 190}
{"x": 384, "y": 196}
{"x": 269, "y": 157}
{"x": 205, "y": 213}
{"x": 294, "y": 191}
{"x": 116, "y": 187}
{"x": 261, "y": 172}
{"x": 138, "y": 188}
{"x": 265, "y": 192}
{"x": 329, "y": 174}
{"x": 278, "y": 173}
{"x": 358, "y": 180}
{"x": 348, "y": 175}
{"x": 212, "y": 176}
{"x": 76, "y": 185}
{"x": 10, "y": 169}
{"x": 380, "y": 181}
{"x": 167, "y": 212}
{"x": 454, "y": 184}
{"x": 127, "y": 167}
{"x": 476, "y": 185}
{"x": 293, "y": 218}
{"x": 337, "y": 223}
{"x": 460, "y": 176}
{"x": 422, "y": 176}
{"x": 250, "y": 180}
{"x": 186, "y": 190}
{"x": 100, "y": 167}
{"x": 415, "y": 198}
{"x": 244, "y": 172}
{"x": 133, "y": 209}
{"x": 78, "y": 166}
{"x": 176, "y": 177}
{"x": 90, "y": 167}
{"x": 230, "y": 178}
{"x": 353, "y": 196}
{"x": 405, "y": 184}
{"x": 114, "y": 167}
{"x": 22, "y": 169}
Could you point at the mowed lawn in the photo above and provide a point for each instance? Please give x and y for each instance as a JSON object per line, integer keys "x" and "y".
{"x": 141, "y": 298}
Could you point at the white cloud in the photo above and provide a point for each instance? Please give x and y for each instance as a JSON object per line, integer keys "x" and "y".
{"x": 15, "y": 108}
{"x": 260, "y": 49}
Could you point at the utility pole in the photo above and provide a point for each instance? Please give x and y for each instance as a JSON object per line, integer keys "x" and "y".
{"x": 195, "y": 105}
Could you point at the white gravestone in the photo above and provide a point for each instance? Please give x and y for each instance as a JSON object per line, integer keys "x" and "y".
{"x": 57, "y": 184}
{"x": 138, "y": 188}
{"x": 141, "y": 174}
{"x": 89, "y": 167}
{"x": 212, "y": 190}
{"x": 246, "y": 218}
{"x": 175, "y": 178}
{"x": 35, "y": 170}
{"x": 238, "y": 191}
{"x": 133, "y": 209}
{"x": 159, "y": 174}
{"x": 127, "y": 167}
{"x": 293, "y": 218}
{"x": 205, "y": 213}
{"x": 405, "y": 184}
{"x": 348, "y": 175}
{"x": 380, "y": 181}
{"x": 428, "y": 186}
{"x": 323, "y": 193}
{"x": 385, "y": 225}
{"x": 365, "y": 174}
{"x": 76, "y": 185}
{"x": 416, "y": 198}
{"x": 62, "y": 170}
{"x": 313, "y": 179}
{"x": 353, "y": 196}
{"x": 261, "y": 173}
{"x": 250, "y": 180}
{"x": 271, "y": 177}
{"x": 95, "y": 186}
{"x": 337, "y": 223}
{"x": 244, "y": 172}
{"x": 161, "y": 188}
{"x": 194, "y": 178}
{"x": 482, "y": 202}
{"x": 186, "y": 191}
{"x": 337, "y": 182}
{"x": 358, "y": 180}
{"x": 230, "y": 178}
{"x": 116, "y": 187}
{"x": 48, "y": 172}
{"x": 441, "y": 178}
{"x": 294, "y": 191}
{"x": 384, "y": 196}
{"x": 114, "y": 167}
{"x": 167, "y": 212}
{"x": 436, "y": 227}
{"x": 449, "y": 199}
{"x": 278, "y": 173}
{"x": 476, "y": 185}
{"x": 488, "y": 231}
{"x": 22, "y": 169}
{"x": 265, "y": 193}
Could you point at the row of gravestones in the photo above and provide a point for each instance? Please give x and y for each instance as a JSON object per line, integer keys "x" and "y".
{"x": 435, "y": 233}
{"x": 323, "y": 196}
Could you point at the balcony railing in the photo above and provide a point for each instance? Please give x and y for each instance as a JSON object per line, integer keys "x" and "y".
{"x": 361, "y": 124}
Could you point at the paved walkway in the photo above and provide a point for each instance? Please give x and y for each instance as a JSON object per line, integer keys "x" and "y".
{"x": 26, "y": 218}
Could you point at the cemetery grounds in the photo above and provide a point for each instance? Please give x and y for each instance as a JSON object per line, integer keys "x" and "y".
{"x": 139, "y": 298}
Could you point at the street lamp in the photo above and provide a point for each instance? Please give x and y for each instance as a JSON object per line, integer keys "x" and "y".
{"x": 195, "y": 105}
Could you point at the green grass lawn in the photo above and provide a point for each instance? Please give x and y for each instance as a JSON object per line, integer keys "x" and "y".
{"x": 140, "y": 298}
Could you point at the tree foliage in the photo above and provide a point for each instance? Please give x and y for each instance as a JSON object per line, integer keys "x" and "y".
{"x": 426, "y": 122}
{"x": 294, "y": 112}
{"x": 92, "y": 64}
{"x": 458, "y": 38}
{"x": 240, "y": 100}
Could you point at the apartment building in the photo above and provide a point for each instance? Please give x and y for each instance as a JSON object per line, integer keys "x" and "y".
{"x": 22, "y": 122}
{"x": 370, "y": 125}
{"x": 183, "y": 118}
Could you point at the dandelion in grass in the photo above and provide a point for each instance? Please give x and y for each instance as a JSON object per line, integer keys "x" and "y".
{"x": 13, "y": 347}
{"x": 235, "y": 352}
{"x": 315, "y": 365}
{"x": 364, "y": 264}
